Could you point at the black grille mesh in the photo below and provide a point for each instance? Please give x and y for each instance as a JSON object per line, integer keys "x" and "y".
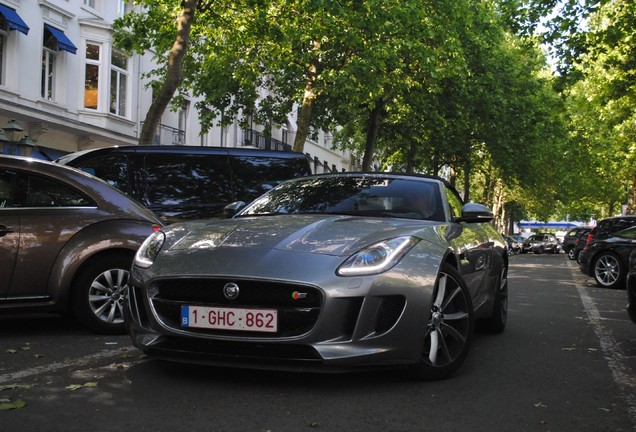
{"x": 296, "y": 314}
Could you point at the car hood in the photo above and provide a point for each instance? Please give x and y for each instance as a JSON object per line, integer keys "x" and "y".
{"x": 319, "y": 234}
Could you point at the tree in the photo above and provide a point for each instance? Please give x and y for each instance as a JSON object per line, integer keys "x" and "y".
{"x": 173, "y": 60}
{"x": 601, "y": 108}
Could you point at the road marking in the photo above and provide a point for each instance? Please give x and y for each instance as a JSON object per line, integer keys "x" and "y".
{"x": 611, "y": 349}
{"x": 82, "y": 361}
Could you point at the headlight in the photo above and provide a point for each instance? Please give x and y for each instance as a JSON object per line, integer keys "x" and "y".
{"x": 149, "y": 250}
{"x": 378, "y": 257}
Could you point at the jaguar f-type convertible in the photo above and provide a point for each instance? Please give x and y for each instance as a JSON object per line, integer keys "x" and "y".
{"x": 333, "y": 272}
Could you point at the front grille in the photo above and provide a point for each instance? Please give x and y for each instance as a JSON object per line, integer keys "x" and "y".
{"x": 297, "y": 314}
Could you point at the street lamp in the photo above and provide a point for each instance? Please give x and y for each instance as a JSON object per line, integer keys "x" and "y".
{"x": 11, "y": 139}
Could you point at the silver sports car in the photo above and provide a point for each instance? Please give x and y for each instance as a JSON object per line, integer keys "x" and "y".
{"x": 332, "y": 272}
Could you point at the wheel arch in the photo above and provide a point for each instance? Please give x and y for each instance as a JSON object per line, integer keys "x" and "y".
{"x": 92, "y": 243}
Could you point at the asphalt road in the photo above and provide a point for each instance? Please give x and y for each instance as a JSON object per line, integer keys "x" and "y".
{"x": 566, "y": 362}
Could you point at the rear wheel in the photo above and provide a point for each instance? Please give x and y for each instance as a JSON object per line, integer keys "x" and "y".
{"x": 609, "y": 272}
{"x": 99, "y": 291}
{"x": 449, "y": 330}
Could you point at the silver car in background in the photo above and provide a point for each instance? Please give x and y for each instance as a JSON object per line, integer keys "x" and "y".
{"x": 541, "y": 243}
{"x": 333, "y": 272}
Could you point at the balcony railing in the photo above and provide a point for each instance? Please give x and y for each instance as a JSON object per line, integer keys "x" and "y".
{"x": 257, "y": 139}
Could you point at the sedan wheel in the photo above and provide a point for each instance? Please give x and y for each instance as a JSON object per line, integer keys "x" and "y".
{"x": 609, "y": 272}
{"x": 571, "y": 254}
{"x": 449, "y": 330}
{"x": 99, "y": 292}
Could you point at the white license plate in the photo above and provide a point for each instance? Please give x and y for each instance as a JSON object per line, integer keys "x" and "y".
{"x": 222, "y": 318}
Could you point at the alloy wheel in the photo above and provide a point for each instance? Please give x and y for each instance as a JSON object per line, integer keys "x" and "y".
{"x": 106, "y": 295}
{"x": 449, "y": 328}
{"x": 607, "y": 270}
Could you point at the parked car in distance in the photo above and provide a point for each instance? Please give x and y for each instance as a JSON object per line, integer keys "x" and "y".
{"x": 190, "y": 182}
{"x": 514, "y": 246}
{"x": 607, "y": 259}
{"x": 336, "y": 272}
{"x": 518, "y": 237}
{"x": 541, "y": 243}
{"x": 67, "y": 242}
{"x": 570, "y": 239}
{"x": 578, "y": 247}
{"x": 606, "y": 227}
{"x": 631, "y": 286}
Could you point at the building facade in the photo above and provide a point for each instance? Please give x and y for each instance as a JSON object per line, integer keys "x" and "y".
{"x": 64, "y": 87}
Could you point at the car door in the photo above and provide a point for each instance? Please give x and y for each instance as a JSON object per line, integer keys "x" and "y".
{"x": 475, "y": 246}
{"x": 50, "y": 213}
{"x": 9, "y": 231}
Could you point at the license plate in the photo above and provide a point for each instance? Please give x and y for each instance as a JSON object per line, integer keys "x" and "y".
{"x": 222, "y": 318}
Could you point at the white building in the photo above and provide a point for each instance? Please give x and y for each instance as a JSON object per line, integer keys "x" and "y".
{"x": 69, "y": 89}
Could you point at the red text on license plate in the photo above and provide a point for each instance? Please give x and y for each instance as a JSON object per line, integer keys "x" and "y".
{"x": 223, "y": 318}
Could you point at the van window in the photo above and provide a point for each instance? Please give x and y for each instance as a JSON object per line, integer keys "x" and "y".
{"x": 255, "y": 175}
{"x": 185, "y": 180}
{"x": 112, "y": 168}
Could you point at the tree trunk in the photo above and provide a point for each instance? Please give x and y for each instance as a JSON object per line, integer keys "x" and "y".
{"x": 373, "y": 126}
{"x": 173, "y": 72}
{"x": 308, "y": 104}
{"x": 305, "y": 115}
{"x": 467, "y": 183}
{"x": 631, "y": 197}
{"x": 410, "y": 158}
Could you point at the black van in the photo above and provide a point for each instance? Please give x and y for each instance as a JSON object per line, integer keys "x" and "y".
{"x": 188, "y": 182}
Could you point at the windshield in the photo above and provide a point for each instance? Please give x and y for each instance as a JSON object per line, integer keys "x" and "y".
{"x": 353, "y": 195}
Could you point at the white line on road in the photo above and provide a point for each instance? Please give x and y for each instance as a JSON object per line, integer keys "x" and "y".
{"x": 611, "y": 349}
{"x": 78, "y": 362}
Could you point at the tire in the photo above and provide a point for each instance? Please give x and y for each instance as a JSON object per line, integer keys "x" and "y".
{"x": 609, "y": 271}
{"x": 496, "y": 323}
{"x": 99, "y": 291}
{"x": 449, "y": 328}
{"x": 571, "y": 254}
{"x": 541, "y": 250}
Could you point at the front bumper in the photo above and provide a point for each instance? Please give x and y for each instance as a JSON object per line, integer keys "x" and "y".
{"x": 348, "y": 334}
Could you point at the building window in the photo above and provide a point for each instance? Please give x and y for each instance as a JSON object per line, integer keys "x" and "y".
{"x": 182, "y": 122}
{"x": 91, "y": 79}
{"x": 121, "y": 7}
{"x": 118, "y": 82}
{"x": 90, "y": 3}
{"x": 49, "y": 56}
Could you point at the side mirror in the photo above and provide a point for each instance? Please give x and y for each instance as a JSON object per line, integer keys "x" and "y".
{"x": 476, "y": 213}
{"x": 233, "y": 208}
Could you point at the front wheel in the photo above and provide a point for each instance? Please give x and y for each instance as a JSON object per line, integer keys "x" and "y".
{"x": 99, "y": 291}
{"x": 609, "y": 271}
{"x": 449, "y": 329}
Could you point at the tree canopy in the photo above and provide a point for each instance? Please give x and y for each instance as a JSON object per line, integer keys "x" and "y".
{"x": 460, "y": 88}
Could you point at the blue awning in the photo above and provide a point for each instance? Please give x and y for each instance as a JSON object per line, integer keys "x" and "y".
{"x": 547, "y": 225}
{"x": 63, "y": 42}
{"x": 13, "y": 19}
